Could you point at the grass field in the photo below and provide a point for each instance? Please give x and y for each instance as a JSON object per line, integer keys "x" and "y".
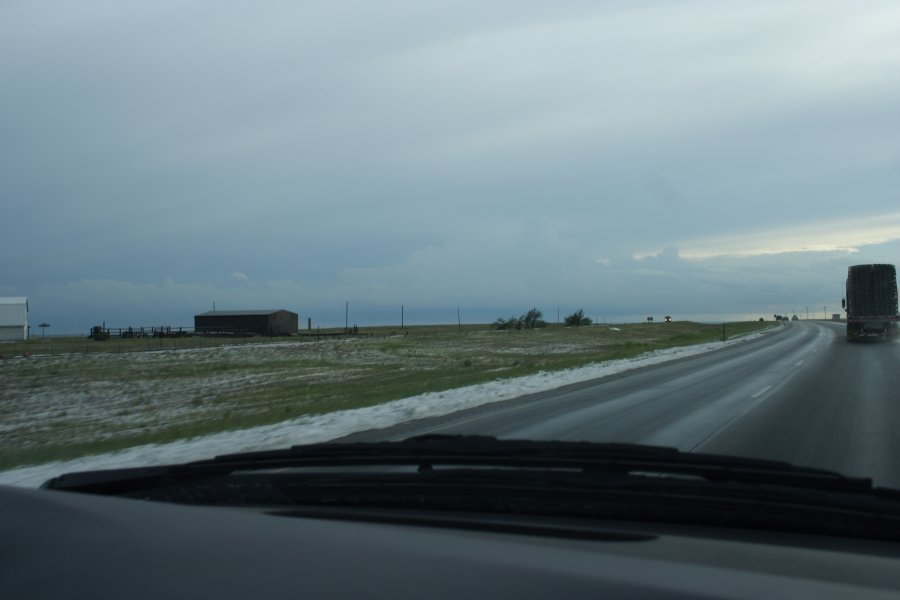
{"x": 73, "y": 397}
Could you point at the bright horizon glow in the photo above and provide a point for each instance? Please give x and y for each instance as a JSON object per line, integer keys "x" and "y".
{"x": 846, "y": 236}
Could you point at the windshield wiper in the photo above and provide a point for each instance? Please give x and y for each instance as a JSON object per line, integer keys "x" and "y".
{"x": 431, "y": 451}
{"x": 486, "y": 475}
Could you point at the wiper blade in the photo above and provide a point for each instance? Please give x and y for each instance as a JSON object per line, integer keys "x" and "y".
{"x": 484, "y": 475}
{"x": 458, "y": 451}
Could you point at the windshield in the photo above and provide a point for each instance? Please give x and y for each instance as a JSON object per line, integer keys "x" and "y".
{"x": 246, "y": 226}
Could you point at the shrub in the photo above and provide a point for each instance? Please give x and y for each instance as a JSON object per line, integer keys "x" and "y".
{"x": 531, "y": 319}
{"x": 577, "y": 319}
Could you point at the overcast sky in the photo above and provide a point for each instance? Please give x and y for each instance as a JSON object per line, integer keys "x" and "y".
{"x": 627, "y": 158}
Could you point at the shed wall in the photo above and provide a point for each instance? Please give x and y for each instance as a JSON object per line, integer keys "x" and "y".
{"x": 13, "y": 333}
{"x": 14, "y": 319}
{"x": 281, "y": 322}
{"x": 284, "y": 322}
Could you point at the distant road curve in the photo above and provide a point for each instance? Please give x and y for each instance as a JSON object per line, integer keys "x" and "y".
{"x": 802, "y": 395}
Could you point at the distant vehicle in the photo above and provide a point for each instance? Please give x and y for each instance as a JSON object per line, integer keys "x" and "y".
{"x": 871, "y": 302}
{"x": 795, "y": 318}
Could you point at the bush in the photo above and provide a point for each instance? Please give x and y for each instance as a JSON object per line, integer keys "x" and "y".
{"x": 510, "y": 323}
{"x": 531, "y": 319}
{"x": 577, "y": 319}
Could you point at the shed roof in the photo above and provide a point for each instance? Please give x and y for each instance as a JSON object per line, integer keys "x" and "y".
{"x": 240, "y": 313}
{"x": 13, "y": 300}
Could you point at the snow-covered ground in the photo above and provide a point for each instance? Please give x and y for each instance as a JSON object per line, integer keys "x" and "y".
{"x": 320, "y": 428}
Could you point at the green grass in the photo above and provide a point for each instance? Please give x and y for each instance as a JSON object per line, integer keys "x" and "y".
{"x": 66, "y": 401}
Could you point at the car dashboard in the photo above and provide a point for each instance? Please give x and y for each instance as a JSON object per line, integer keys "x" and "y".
{"x": 59, "y": 544}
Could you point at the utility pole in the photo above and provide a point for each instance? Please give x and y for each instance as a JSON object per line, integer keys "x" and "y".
{"x": 402, "y": 316}
{"x": 807, "y": 313}
{"x": 347, "y": 316}
{"x": 458, "y": 318}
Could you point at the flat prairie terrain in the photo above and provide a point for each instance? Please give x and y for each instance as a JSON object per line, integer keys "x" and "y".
{"x": 66, "y": 397}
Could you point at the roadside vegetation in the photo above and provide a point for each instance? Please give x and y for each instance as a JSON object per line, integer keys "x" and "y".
{"x": 63, "y": 398}
{"x": 577, "y": 319}
{"x": 529, "y": 320}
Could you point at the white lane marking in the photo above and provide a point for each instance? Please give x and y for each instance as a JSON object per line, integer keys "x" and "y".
{"x": 798, "y": 363}
{"x": 761, "y": 392}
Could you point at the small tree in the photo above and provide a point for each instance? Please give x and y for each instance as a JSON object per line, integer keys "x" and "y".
{"x": 510, "y": 323}
{"x": 577, "y": 319}
{"x": 533, "y": 318}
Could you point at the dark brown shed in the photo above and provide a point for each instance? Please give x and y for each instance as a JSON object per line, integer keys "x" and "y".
{"x": 246, "y": 322}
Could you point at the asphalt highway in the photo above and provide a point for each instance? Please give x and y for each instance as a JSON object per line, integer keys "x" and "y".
{"x": 802, "y": 394}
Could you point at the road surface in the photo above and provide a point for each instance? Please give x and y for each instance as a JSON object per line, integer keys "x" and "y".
{"x": 802, "y": 394}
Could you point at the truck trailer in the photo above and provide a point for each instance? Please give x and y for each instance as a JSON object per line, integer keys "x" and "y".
{"x": 871, "y": 302}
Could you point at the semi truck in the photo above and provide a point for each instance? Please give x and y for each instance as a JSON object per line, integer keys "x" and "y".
{"x": 871, "y": 302}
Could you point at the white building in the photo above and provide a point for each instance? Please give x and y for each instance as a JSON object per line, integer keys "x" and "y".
{"x": 14, "y": 318}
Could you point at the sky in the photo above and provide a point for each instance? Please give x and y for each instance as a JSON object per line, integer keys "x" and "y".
{"x": 692, "y": 158}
